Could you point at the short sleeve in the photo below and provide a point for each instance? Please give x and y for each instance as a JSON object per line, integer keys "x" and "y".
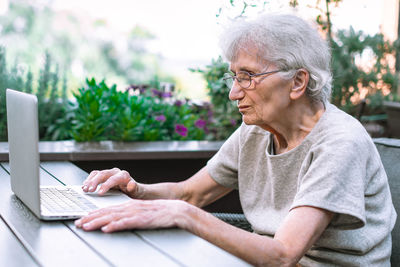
{"x": 223, "y": 166}
{"x": 334, "y": 179}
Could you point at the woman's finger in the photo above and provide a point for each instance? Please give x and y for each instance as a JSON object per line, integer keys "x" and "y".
{"x": 98, "y": 178}
{"x": 121, "y": 224}
{"x": 120, "y": 179}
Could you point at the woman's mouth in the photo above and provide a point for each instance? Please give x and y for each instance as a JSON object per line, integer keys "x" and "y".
{"x": 243, "y": 108}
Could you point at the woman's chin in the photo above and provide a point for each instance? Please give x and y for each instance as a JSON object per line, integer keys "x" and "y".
{"x": 248, "y": 120}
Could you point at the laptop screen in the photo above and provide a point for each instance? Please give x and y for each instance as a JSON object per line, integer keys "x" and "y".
{"x": 23, "y": 138}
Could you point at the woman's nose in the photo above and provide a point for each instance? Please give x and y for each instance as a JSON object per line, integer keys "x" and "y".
{"x": 236, "y": 92}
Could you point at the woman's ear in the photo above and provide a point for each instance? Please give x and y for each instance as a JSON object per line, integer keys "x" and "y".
{"x": 300, "y": 82}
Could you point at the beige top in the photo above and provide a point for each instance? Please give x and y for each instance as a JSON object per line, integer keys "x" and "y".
{"x": 336, "y": 167}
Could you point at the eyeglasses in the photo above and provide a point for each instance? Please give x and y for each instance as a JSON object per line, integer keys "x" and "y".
{"x": 243, "y": 78}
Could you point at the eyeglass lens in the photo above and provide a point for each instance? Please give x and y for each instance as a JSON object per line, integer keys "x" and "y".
{"x": 242, "y": 78}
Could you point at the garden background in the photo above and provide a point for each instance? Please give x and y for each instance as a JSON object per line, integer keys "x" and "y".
{"x": 95, "y": 83}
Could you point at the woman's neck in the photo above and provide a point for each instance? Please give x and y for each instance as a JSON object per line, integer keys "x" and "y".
{"x": 296, "y": 124}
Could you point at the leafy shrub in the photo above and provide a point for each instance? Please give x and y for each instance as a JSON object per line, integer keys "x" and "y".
{"x": 225, "y": 116}
{"x": 51, "y": 107}
{"x": 350, "y": 77}
{"x": 139, "y": 113}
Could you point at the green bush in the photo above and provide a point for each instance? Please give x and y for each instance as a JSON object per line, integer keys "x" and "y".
{"x": 349, "y": 77}
{"x": 51, "y": 107}
{"x": 225, "y": 116}
{"x": 101, "y": 112}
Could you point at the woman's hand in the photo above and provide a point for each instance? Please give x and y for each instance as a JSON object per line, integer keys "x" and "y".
{"x": 135, "y": 214}
{"x": 113, "y": 178}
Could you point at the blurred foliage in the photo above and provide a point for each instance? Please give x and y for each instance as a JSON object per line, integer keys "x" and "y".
{"x": 98, "y": 112}
{"x": 363, "y": 64}
{"x": 234, "y": 9}
{"x": 225, "y": 115}
{"x": 323, "y": 19}
{"x": 141, "y": 113}
{"x": 51, "y": 107}
{"x": 82, "y": 46}
{"x": 351, "y": 52}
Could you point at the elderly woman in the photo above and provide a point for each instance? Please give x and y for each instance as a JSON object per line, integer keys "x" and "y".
{"x": 310, "y": 179}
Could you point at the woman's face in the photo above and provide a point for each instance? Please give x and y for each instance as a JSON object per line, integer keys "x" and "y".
{"x": 265, "y": 101}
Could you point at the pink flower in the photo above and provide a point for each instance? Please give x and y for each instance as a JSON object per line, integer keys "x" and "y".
{"x": 181, "y": 130}
{"x": 160, "y": 118}
{"x": 200, "y": 123}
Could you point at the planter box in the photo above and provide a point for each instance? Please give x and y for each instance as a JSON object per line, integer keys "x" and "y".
{"x": 111, "y": 150}
{"x": 393, "y": 120}
{"x": 147, "y": 162}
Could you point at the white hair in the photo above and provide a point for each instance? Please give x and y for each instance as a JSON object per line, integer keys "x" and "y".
{"x": 287, "y": 41}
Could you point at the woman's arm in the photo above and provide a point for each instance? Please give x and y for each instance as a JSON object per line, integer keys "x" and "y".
{"x": 301, "y": 228}
{"x": 199, "y": 190}
{"x": 299, "y": 231}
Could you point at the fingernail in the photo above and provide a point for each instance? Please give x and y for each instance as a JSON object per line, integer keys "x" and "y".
{"x": 101, "y": 191}
{"x": 78, "y": 223}
{"x": 86, "y": 225}
{"x": 91, "y": 188}
{"x": 84, "y": 187}
{"x": 104, "y": 228}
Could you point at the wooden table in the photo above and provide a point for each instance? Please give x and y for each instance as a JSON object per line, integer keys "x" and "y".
{"x": 27, "y": 241}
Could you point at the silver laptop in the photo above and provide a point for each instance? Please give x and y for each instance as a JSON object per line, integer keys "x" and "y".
{"x": 46, "y": 202}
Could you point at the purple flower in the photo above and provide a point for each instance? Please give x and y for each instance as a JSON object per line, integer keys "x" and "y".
{"x": 200, "y": 123}
{"x": 233, "y": 122}
{"x": 160, "y": 118}
{"x": 142, "y": 90}
{"x": 156, "y": 92}
{"x": 178, "y": 103}
{"x": 181, "y": 130}
{"x": 166, "y": 94}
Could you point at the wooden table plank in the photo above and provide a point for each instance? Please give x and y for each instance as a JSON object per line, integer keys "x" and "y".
{"x": 52, "y": 243}
{"x": 45, "y": 178}
{"x": 65, "y": 171}
{"x": 197, "y": 251}
{"x": 125, "y": 248}
{"x": 12, "y": 252}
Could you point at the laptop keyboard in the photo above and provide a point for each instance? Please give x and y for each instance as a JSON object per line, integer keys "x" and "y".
{"x": 64, "y": 200}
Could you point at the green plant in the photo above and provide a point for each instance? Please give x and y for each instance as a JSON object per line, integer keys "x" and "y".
{"x": 225, "y": 116}
{"x": 3, "y": 85}
{"x": 8, "y": 79}
{"x": 50, "y": 106}
{"x": 352, "y": 81}
{"x": 352, "y": 78}
{"x": 91, "y": 118}
{"x": 28, "y": 23}
{"x": 148, "y": 114}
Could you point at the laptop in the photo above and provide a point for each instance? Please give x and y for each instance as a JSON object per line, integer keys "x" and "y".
{"x": 46, "y": 202}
